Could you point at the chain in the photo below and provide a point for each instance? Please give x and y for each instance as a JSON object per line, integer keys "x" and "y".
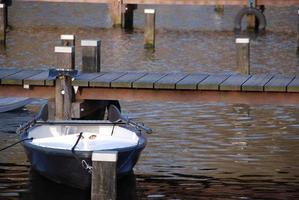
{"x": 86, "y": 166}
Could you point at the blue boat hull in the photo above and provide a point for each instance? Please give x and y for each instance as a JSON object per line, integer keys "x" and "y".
{"x": 63, "y": 167}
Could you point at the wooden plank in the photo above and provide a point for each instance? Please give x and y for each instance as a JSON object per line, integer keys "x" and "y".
{"x": 17, "y": 78}
{"x": 169, "y": 81}
{"x": 278, "y": 83}
{"x": 294, "y": 85}
{"x": 212, "y": 82}
{"x": 191, "y": 81}
{"x": 7, "y": 71}
{"x": 105, "y": 79}
{"x": 40, "y": 79}
{"x": 147, "y": 81}
{"x": 126, "y": 81}
{"x": 256, "y": 82}
{"x": 84, "y": 78}
{"x": 234, "y": 83}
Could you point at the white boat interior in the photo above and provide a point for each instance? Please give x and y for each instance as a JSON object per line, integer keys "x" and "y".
{"x": 94, "y": 137}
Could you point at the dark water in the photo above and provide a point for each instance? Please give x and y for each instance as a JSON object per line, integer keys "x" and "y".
{"x": 197, "y": 151}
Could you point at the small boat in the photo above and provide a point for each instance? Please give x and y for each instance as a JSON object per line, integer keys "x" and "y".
{"x": 62, "y": 150}
{"x": 12, "y": 103}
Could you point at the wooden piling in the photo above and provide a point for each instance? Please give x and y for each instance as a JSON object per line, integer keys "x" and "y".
{"x": 128, "y": 16}
{"x": 103, "y": 183}
{"x": 2, "y": 24}
{"x": 63, "y": 84}
{"x": 149, "y": 28}
{"x": 251, "y": 19}
{"x": 243, "y": 55}
{"x": 67, "y": 40}
{"x": 115, "y": 9}
{"x": 219, "y": 8}
{"x": 65, "y": 57}
{"x": 298, "y": 34}
{"x": 91, "y": 55}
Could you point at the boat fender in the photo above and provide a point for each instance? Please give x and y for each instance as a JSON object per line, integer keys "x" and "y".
{"x": 256, "y": 12}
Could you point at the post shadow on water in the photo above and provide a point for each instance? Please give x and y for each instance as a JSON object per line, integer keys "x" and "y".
{"x": 42, "y": 188}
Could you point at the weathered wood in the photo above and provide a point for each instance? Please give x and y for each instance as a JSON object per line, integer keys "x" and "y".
{"x": 212, "y": 82}
{"x": 7, "y": 71}
{"x": 219, "y": 8}
{"x": 128, "y": 16}
{"x": 2, "y": 24}
{"x": 83, "y": 79}
{"x": 298, "y": 33}
{"x": 17, "y": 78}
{"x": 243, "y": 55}
{"x": 115, "y": 7}
{"x": 91, "y": 55}
{"x": 294, "y": 85}
{"x": 63, "y": 98}
{"x": 65, "y": 57}
{"x": 278, "y": 83}
{"x": 106, "y": 79}
{"x": 68, "y": 40}
{"x": 103, "y": 182}
{"x": 148, "y": 80}
{"x": 126, "y": 81}
{"x": 251, "y": 21}
{"x": 256, "y": 82}
{"x": 169, "y": 81}
{"x": 234, "y": 82}
{"x": 149, "y": 28}
{"x": 190, "y": 82}
{"x": 40, "y": 79}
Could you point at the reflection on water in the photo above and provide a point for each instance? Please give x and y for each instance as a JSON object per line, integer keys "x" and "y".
{"x": 197, "y": 151}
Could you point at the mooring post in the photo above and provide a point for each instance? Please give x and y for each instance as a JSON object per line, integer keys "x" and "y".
{"x": 128, "y": 16}
{"x": 251, "y": 18}
{"x": 91, "y": 55}
{"x": 2, "y": 24}
{"x": 149, "y": 28}
{"x": 103, "y": 181}
{"x": 68, "y": 40}
{"x": 219, "y": 8}
{"x": 243, "y": 55}
{"x": 298, "y": 34}
{"x": 115, "y": 9}
{"x": 63, "y": 84}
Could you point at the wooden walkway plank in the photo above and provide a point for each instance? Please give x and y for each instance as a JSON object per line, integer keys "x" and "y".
{"x": 147, "y": 81}
{"x": 169, "y": 81}
{"x": 190, "y": 82}
{"x": 17, "y": 78}
{"x": 212, "y": 82}
{"x": 40, "y": 79}
{"x": 278, "y": 83}
{"x": 126, "y": 81}
{"x": 83, "y": 79}
{"x": 256, "y": 82}
{"x": 106, "y": 79}
{"x": 7, "y": 71}
{"x": 294, "y": 85}
{"x": 234, "y": 83}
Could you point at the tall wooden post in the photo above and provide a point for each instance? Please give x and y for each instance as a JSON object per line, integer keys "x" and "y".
{"x": 149, "y": 28}
{"x": 91, "y": 55}
{"x": 251, "y": 18}
{"x": 68, "y": 40}
{"x": 298, "y": 34}
{"x": 63, "y": 84}
{"x": 2, "y": 24}
{"x": 115, "y": 9}
{"x": 128, "y": 16}
{"x": 103, "y": 181}
{"x": 243, "y": 55}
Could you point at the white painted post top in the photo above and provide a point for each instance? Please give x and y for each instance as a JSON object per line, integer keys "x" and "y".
{"x": 63, "y": 49}
{"x": 242, "y": 40}
{"x": 90, "y": 43}
{"x": 106, "y": 156}
{"x": 149, "y": 11}
{"x": 2, "y": 5}
{"x": 67, "y": 37}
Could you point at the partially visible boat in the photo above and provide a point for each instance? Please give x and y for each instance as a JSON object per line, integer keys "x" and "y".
{"x": 12, "y": 103}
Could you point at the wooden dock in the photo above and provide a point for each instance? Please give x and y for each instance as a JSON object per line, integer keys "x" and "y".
{"x": 145, "y": 86}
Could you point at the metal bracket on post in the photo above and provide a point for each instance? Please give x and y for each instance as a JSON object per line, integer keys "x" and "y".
{"x": 55, "y": 73}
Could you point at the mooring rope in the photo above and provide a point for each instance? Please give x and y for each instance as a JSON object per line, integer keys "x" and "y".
{"x": 9, "y": 146}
